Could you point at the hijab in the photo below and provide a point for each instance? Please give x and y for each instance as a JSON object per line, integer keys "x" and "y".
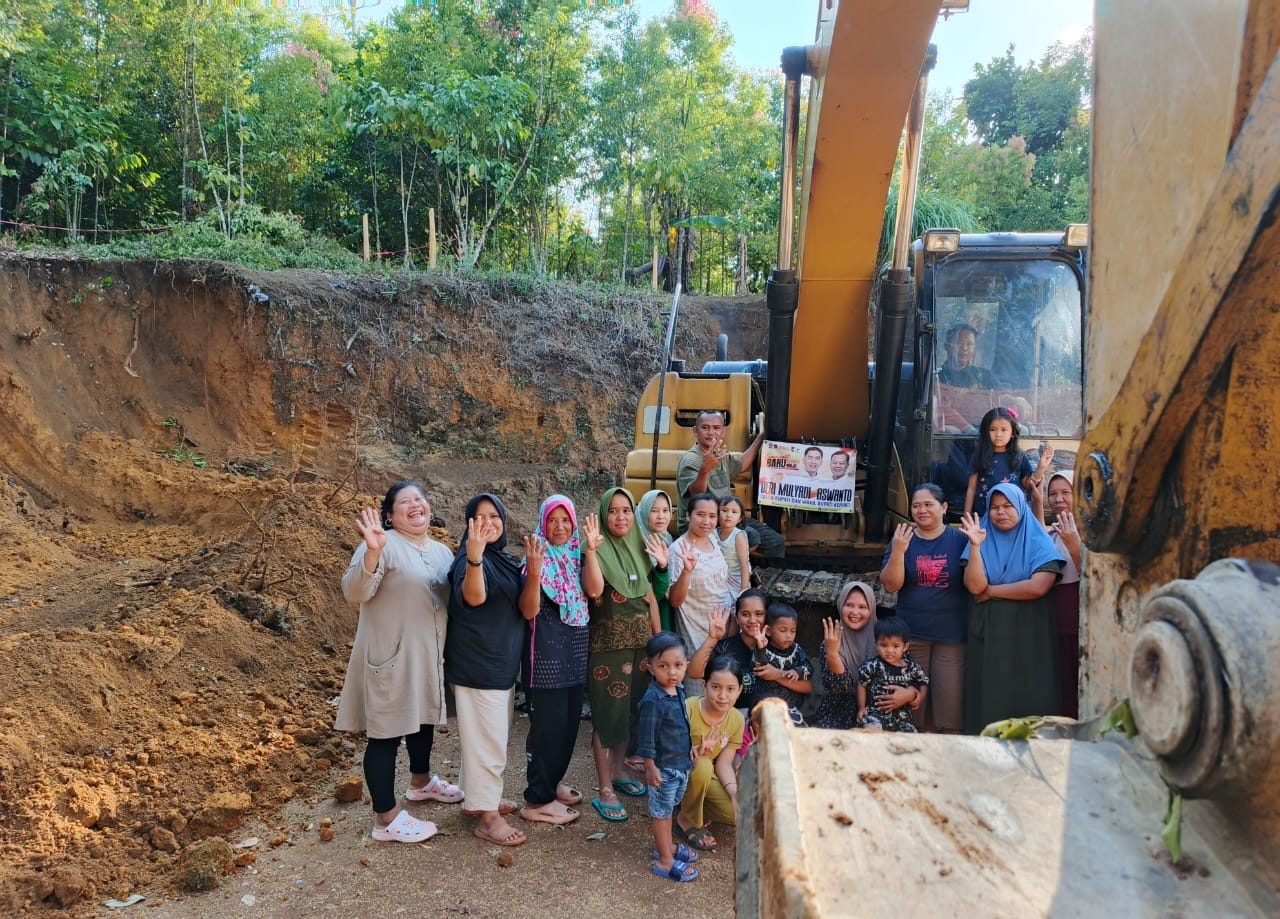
{"x": 501, "y": 570}
{"x": 1013, "y": 556}
{"x": 1071, "y": 574}
{"x": 642, "y": 515}
{"x": 623, "y": 561}
{"x": 856, "y": 645}
{"x": 561, "y": 577}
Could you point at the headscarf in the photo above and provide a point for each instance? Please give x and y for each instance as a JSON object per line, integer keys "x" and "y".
{"x": 1071, "y": 574}
{"x": 623, "y": 561}
{"x": 646, "y": 504}
{"x": 561, "y": 577}
{"x": 1013, "y": 556}
{"x": 497, "y": 563}
{"x": 857, "y": 645}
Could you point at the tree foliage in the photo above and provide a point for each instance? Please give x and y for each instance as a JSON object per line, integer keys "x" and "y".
{"x": 556, "y": 136}
{"x": 1015, "y": 149}
{"x": 678, "y": 132}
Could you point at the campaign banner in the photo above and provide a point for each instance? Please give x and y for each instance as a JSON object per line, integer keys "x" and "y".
{"x": 807, "y": 477}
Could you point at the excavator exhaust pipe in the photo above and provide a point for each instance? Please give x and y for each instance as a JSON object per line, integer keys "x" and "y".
{"x": 782, "y": 294}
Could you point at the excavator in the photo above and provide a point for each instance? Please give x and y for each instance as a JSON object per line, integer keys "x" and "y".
{"x": 1164, "y": 798}
{"x": 1007, "y": 306}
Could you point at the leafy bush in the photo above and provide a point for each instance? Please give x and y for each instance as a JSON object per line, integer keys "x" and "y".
{"x": 259, "y": 239}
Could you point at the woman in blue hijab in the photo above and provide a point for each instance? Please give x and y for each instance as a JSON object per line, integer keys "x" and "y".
{"x": 1011, "y": 663}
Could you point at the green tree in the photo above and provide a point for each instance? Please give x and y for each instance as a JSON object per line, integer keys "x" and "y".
{"x": 679, "y": 133}
{"x": 1015, "y": 150}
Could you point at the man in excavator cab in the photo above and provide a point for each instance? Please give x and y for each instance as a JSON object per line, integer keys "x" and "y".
{"x": 959, "y": 374}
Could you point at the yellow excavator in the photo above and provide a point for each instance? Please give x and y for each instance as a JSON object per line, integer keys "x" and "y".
{"x": 1015, "y": 299}
{"x": 1176, "y": 494}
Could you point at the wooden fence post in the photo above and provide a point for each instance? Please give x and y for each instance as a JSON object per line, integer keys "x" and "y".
{"x": 365, "y": 220}
{"x": 654, "y": 272}
{"x": 431, "y": 238}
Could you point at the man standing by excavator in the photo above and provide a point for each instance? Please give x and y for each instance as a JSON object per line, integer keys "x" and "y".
{"x": 708, "y": 467}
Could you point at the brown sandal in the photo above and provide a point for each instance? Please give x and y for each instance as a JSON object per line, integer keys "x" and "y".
{"x": 538, "y": 815}
{"x": 514, "y": 837}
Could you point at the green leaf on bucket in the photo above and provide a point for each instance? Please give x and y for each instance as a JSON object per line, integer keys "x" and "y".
{"x": 1172, "y": 832}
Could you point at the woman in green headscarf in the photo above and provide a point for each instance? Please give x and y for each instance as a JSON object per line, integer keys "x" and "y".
{"x": 623, "y": 617}
{"x": 653, "y": 516}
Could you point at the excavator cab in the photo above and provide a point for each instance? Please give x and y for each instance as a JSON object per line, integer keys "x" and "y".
{"x": 998, "y": 323}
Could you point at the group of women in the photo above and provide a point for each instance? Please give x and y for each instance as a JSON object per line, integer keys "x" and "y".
{"x": 572, "y": 620}
{"x": 991, "y": 607}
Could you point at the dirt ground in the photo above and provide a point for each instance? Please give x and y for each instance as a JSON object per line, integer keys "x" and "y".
{"x": 454, "y": 873}
{"x": 183, "y": 449}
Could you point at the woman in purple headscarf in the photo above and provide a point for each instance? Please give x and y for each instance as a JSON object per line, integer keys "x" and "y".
{"x": 560, "y": 571}
{"x": 1011, "y": 663}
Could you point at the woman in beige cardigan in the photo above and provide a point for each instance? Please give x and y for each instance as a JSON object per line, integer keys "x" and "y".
{"x": 394, "y": 687}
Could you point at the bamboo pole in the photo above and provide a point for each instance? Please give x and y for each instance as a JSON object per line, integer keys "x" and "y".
{"x": 431, "y": 238}
{"x": 365, "y": 220}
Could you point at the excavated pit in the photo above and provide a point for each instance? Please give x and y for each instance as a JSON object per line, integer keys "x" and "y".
{"x": 183, "y": 448}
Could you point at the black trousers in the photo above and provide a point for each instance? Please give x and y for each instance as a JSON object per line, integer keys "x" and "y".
{"x": 380, "y": 764}
{"x": 554, "y": 717}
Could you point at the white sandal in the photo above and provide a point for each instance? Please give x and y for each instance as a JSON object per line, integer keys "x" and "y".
{"x": 404, "y": 829}
{"x": 435, "y": 790}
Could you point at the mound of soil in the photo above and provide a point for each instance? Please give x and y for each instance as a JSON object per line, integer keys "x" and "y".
{"x": 183, "y": 449}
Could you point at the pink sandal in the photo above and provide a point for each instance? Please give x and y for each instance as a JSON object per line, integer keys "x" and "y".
{"x": 435, "y": 790}
{"x": 404, "y": 829}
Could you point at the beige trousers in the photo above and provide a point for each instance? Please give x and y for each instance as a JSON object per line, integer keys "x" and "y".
{"x": 705, "y": 799}
{"x": 484, "y": 722}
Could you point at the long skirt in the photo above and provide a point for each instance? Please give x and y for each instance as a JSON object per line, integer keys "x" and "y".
{"x": 1066, "y": 602}
{"x": 1011, "y": 661}
{"x": 615, "y": 684}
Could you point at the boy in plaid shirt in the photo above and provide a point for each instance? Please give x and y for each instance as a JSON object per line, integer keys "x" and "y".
{"x": 665, "y": 744}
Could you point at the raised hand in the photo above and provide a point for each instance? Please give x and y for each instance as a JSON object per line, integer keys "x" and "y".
{"x": 591, "y": 538}
{"x": 971, "y": 526}
{"x": 902, "y": 537}
{"x": 479, "y": 535}
{"x": 370, "y": 527}
{"x": 717, "y": 623}
{"x": 1046, "y": 457}
{"x": 688, "y": 556}
{"x": 831, "y": 629}
{"x": 713, "y": 742}
{"x": 711, "y": 456}
{"x": 755, "y": 631}
{"x": 658, "y": 550}
{"x": 534, "y": 551}
{"x": 1066, "y": 527}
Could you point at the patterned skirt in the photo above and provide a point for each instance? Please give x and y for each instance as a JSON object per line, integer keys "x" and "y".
{"x": 615, "y": 684}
